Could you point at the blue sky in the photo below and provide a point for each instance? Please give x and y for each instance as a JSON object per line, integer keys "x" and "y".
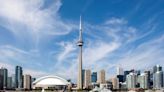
{"x": 41, "y": 35}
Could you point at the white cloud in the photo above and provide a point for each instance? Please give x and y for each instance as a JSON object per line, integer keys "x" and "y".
{"x": 98, "y": 51}
{"x": 9, "y": 52}
{"x": 114, "y": 29}
{"x": 69, "y": 72}
{"x": 28, "y": 19}
{"x": 35, "y": 73}
{"x": 145, "y": 55}
{"x": 115, "y": 21}
{"x": 68, "y": 48}
{"x": 15, "y": 56}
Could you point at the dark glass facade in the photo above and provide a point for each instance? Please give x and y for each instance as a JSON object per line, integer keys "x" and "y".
{"x": 3, "y": 75}
{"x": 18, "y": 77}
{"x": 94, "y": 77}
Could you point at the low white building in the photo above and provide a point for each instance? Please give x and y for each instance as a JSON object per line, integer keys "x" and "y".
{"x": 50, "y": 82}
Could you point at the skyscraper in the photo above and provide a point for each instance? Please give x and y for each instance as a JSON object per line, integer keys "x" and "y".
{"x": 87, "y": 78}
{"x": 115, "y": 82}
{"x": 157, "y": 68}
{"x": 1, "y": 82}
{"x": 94, "y": 77}
{"x": 13, "y": 81}
{"x": 80, "y": 44}
{"x": 9, "y": 82}
{"x": 120, "y": 71}
{"x": 83, "y": 77}
{"x": 143, "y": 80}
{"x": 18, "y": 77}
{"x": 131, "y": 80}
{"x": 4, "y": 74}
{"x": 158, "y": 77}
{"x": 125, "y": 74}
{"x": 27, "y": 82}
{"x": 149, "y": 78}
{"x": 101, "y": 77}
{"x": 120, "y": 78}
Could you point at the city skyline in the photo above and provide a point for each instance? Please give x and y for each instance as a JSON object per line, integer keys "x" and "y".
{"x": 44, "y": 33}
{"x": 131, "y": 79}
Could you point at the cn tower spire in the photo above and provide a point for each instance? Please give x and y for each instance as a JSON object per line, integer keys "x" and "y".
{"x": 80, "y": 44}
{"x": 80, "y": 33}
{"x": 80, "y": 24}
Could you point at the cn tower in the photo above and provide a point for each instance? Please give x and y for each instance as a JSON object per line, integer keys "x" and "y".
{"x": 80, "y": 44}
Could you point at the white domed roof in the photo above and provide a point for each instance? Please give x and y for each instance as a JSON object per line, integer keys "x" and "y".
{"x": 50, "y": 80}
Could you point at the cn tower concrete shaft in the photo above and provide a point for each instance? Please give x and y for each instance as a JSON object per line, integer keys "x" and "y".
{"x": 80, "y": 44}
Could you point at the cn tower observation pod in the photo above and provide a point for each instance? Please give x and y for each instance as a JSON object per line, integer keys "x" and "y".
{"x": 50, "y": 82}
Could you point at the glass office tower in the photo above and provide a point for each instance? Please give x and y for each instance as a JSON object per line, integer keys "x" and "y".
{"x": 18, "y": 77}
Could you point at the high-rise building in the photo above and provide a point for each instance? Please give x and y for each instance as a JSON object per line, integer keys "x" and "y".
{"x": 101, "y": 77}
{"x": 87, "y": 78}
{"x": 4, "y": 74}
{"x": 120, "y": 78}
{"x": 27, "y": 82}
{"x": 157, "y": 77}
{"x": 131, "y": 80}
{"x": 157, "y": 68}
{"x": 115, "y": 83}
{"x": 1, "y": 82}
{"x": 120, "y": 71}
{"x": 94, "y": 77}
{"x": 80, "y": 44}
{"x": 158, "y": 80}
{"x": 83, "y": 77}
{"x": 149, "y": 77}
{"x": 143, "y": 80}
{"x": 18, "y": 77}
{"x": 125, "y": 74}
{"x": 9, "y": 82}
{"x": 138, "y": 72}
{"x": 13, "y": 81}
